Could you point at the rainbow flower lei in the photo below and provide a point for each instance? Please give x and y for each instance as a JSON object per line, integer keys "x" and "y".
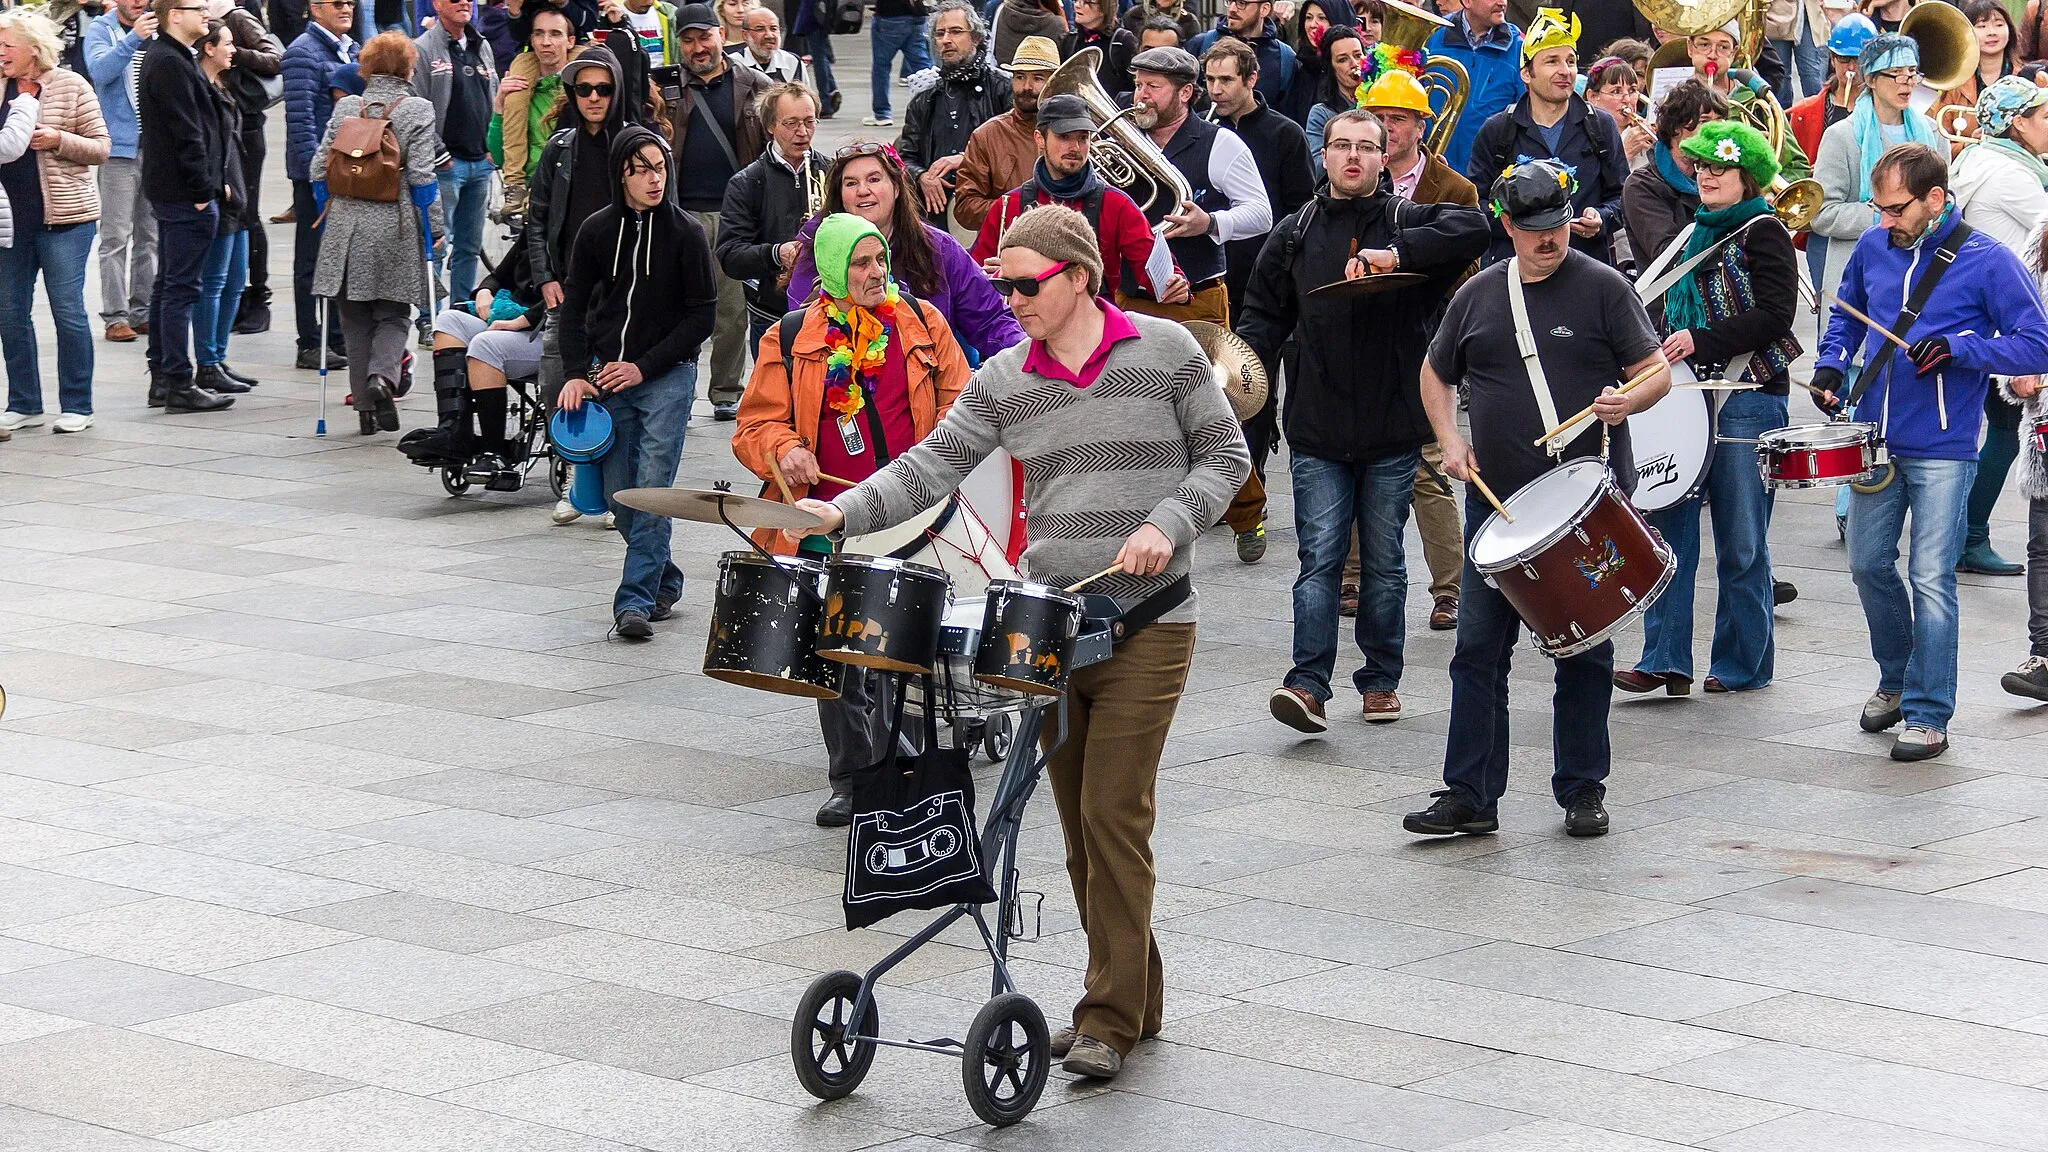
{"x": 856, "y": 343}
{"x": 1380, "y": 59}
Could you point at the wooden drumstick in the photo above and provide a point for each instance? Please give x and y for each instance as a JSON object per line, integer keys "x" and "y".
{"x": 829, "y": 478}
{"x": 1077, "y": 585}
{"x": 1874, "y": 325}
{"x": 1490, "y": 497}
{"x": 1582, "y": 413}
{"x": 788, "y": 497}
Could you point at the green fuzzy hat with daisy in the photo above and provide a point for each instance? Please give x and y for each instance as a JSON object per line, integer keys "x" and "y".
{"x": 1734, "y": 144}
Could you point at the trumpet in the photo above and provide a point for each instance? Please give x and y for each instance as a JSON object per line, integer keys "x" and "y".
{"x": 814, "y": 190}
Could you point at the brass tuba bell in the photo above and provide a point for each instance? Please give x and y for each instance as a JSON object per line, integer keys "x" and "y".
{"x": 1405, "y": 26}
{"x": 1948, "y": 44}
{"x": 1122, "y": 154}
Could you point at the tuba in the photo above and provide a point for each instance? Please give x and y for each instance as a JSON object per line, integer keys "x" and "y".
{"x": 1405, "y": 26}
{"x": 1948, "y": 44}
{"x": 1122, "y": 154}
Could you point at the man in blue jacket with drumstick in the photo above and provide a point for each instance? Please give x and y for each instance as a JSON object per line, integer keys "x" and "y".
{"x": 1928, "y": 404}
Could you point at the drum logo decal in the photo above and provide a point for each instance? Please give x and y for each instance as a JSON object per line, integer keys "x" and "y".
{"x": 1020, "y": 653}
{"x": 1606, "y": 561}
{"x": 1561, "y": 332}
{"x": 1657, "y": 471}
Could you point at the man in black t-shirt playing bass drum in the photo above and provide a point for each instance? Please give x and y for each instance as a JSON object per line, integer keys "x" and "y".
{"x": 1588, "y": 332}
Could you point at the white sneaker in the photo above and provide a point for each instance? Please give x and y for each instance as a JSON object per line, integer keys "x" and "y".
{"x": 565, "y": 513}
{"x": 611, "y": 521}
{"x": 13, "y": 421}
{"x": 71, "y": 422}
{"x": 878, "y": 121}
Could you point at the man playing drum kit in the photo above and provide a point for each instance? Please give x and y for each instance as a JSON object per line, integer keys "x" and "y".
{"x": 1927, "y": 403}
{"x": 1583, "y": 330}
{"x": 1130, "y": 452}
{"x": 812, "y": 419}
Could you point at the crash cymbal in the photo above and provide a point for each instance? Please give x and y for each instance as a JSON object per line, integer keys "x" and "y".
{"x": 1371, "y": 285}
{"x": 1236, "y": 367}
{"x": 704, "y": 505}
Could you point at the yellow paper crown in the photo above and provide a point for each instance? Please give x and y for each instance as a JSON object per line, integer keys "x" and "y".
{"x": 1550, "y": 29}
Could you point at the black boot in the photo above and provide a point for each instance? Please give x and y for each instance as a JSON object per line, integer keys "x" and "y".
{"x": 253, "y": 315}
{"x": 237, "y": 377}
{"x": 156, "y": 390}
{"x": 184, "y": 396}
{"x": 383, "y": 405}
{"x": 490, "y": 405}
{"x": 208, "y": 376}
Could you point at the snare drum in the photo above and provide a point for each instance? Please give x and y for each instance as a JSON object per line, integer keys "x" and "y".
{"x": 1027, "y": 637}
{"x": 1673, "y": 442}
{"x": 1578, "y": 563}
{"x": 1820, "y": 455}
{"x": 883, "y": 613}
{"x": 764, "y": 626}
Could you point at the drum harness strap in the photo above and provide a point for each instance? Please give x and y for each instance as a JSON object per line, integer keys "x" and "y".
{"x": 1532, "y": 363}
{"x": 1922, "y": 292}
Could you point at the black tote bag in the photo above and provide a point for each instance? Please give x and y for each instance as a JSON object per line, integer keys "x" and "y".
{"x": 913, "y": 842}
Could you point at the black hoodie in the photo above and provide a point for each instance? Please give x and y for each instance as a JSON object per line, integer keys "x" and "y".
{"x": 640, "y": 285}
{"x": 554, "y": 201}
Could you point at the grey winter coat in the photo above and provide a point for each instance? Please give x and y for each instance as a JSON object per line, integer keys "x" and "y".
{"x": 370, "y": 250}
{"x": 2033, "y": 410}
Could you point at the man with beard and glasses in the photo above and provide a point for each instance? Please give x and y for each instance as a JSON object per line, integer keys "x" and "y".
{"x": 1230, "y": 195}
{"x": 1585, "y": 332}
{"x": 717, "y": 133}
{"x": 1002, "y": 152}
{"x": 1355, "y": 424}
{"x": 763, "y": 50}
{"x": 948, "y": 103}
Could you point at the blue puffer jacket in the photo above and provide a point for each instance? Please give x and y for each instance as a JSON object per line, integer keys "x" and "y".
{"x": 308, "y": 63}
{"x": 1987, "y": 306}
{"x": 109, "y": 53}
{"x": 1495, "y": 66}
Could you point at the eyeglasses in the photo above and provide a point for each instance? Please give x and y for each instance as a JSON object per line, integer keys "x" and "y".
{"x": 1351, "y": 147}
{"x": 793, "y": 123}
{"x": 867, "y": 148}
{"x": 1028, "y": 285}
{"x": 316, "y": 4}
{"x": 586, "y": 91}
{"x": 1906, "y": 75}
{"x": 1896, "y": 210}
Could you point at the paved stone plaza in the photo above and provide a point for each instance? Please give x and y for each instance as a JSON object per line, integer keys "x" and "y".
{"x": 331, "y": 823}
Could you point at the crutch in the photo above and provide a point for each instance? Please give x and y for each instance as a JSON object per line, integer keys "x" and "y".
{"x": 320, "y": 426}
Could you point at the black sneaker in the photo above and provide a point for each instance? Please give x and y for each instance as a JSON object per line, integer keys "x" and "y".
{"x": 1783, "y": 592}
{"x": 309, "y": 360}
{"x": 1448, "y": 814}
{"x": 726, "y": 411}
{"x": 632, "y": 625}
{"x": 663, "y": 609}
{"x": 2030, "y": 679}
{"x": 1585, "y": 815}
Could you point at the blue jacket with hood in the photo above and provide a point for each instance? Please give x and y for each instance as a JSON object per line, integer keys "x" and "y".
{"x": 1987, "y": 306}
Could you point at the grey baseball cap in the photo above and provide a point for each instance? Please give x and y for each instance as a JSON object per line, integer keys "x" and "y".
{"x": 1062, "y": 114}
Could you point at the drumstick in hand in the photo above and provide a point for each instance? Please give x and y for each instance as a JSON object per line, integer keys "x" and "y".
{"x": 781, "y": 482}
{"x": 1490, "y": 497}
{"x": 1582, "y": 413}
{"x": 829, "y": 478}
{"x": 1077, "y": 585}
{"x": 1873, "y": 325}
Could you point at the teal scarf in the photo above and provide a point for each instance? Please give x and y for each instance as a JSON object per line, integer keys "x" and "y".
{"x": 2019, "y": 152}
{"x": 1683, "y": 307}
{"x": 1668, "y": 168}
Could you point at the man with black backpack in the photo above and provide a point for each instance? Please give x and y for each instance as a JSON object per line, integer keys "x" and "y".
{"x": 1064, "y": 175}
{"x": 1354, "y": 420}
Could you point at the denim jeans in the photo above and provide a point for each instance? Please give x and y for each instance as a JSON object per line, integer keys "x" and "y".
{"x": 1913, "y": 639}
{"x": 183, "y": 236}
{"x": 466, "y": 198}
{"x": 220, "y": 295}
{"x": 648, "y": 422}
{"x": 1476, "y": 755}
{"x": 1806, "y": 60}
{"x": 887, "y": 36}
{"x": 60, "y": 255}
{"x": 819, "y": 44}
{"x": 1734, "y": 494}
{"x": 1330, "y": 497}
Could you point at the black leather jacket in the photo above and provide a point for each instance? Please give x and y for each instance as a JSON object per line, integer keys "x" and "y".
{"x": 943, "y": 116}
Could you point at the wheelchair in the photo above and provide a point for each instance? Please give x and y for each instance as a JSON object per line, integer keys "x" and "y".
{"x": 528, "y": 417}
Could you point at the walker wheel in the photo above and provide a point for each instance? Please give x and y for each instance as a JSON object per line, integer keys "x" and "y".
{"x": 558, "y": 476}
{"x": 832, "y": 1054}
{"x": 995, "y": 736}
{"x": 1006, "y": 1059}
{"x": 455, "y": 480}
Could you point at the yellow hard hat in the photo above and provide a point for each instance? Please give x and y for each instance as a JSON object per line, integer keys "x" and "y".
{"x": 1397, "y": 89}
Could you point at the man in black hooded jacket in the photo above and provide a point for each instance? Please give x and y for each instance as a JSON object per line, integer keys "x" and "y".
{"x": 1354, "y": 420}
{"x": 640, "y": 300}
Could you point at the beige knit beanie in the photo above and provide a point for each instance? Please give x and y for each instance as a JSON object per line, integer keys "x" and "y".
{"x": 1058, "y": 233}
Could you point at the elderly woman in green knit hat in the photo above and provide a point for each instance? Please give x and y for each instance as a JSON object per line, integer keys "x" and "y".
{"x": 869, "y": 373}
{"x": 1730, "y": 316}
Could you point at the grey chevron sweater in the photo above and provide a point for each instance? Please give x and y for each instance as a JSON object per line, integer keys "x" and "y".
{"x": 1152, "y": 440}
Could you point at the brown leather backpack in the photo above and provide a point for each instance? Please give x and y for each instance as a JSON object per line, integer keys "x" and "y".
{"x": 363, "y": 161}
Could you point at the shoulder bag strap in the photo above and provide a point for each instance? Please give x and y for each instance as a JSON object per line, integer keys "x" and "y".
{"x": 1922, "y": 292}
{"x": 1525, "y": 342}
{"x": 701, "y": 108}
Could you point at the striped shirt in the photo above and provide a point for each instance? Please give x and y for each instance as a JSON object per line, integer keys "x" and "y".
{"x": 1151, "y": 441}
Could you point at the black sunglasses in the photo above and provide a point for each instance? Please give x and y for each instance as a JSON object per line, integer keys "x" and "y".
{"x": 585, "y": 91}
{"x": 1029, "y": 285}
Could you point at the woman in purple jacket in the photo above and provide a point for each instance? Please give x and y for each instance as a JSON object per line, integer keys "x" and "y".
{"x": 869, "y": 181}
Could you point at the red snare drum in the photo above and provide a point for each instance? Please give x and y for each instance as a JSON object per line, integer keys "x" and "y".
{"x": 1820, "y": 455}
{"x": 1578, "y": 563}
